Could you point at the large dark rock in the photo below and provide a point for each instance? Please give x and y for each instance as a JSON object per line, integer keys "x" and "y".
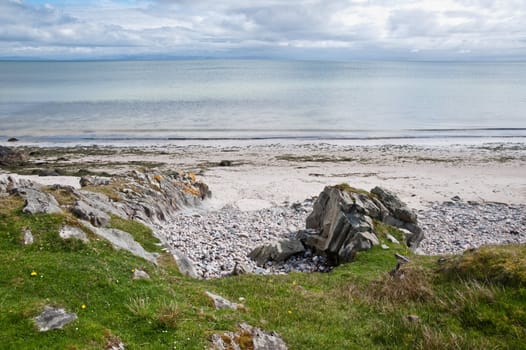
{"x": 9, "y": 157}
{"x": 342, "y": 221}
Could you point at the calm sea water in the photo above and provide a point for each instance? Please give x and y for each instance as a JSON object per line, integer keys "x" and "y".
{"x": 202, "y": 99}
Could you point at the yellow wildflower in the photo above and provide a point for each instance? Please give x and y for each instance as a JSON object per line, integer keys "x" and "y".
{"x": 34, "y": 273}
{"x": 83, "y": 306}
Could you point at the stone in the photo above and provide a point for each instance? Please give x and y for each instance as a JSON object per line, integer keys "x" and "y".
{"x": 96, "y": 217}
{"x": 12, "y": 139}
{"x": 225, "y": 163}
{"x": 123, "y": 240}
{"x": 68, "y": 232}
{"x": 28, "y": 236}
{"x": 53, "y": 318}
{"x": 37, "y": 202}
{"x": 392, "y": 239}
{"x": 413, "y": 318}
{"x": 277, "y": 251}
{"x": 397, "y": 208}
{"x": 11, "y": 157}
{"x": 384, "y": 247}
{"x": 239, "y": 269}
{"x": 139, "y": 274}
{"x": 247, "y": 337}
{"x": 185, "y": 265}
{"x": 94, "y": 181}
{"x": 222, "y": 303}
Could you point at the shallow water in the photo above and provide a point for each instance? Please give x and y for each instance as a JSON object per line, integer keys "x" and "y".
{"x": 213, "y": 99}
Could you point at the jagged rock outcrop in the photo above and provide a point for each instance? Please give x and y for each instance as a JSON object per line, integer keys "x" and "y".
{"x": 247, "y": 337}
{"x": 343, "y": 219}
{"x": 148, "y": 197}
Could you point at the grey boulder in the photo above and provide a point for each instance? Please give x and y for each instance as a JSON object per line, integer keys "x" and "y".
{"x": 37, "y": 202}
{"x": 53, "y": 318}
{"x": 277, "y": 251}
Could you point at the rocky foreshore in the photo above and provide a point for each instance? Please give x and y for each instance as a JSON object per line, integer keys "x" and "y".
{"x": 218, "y": 241}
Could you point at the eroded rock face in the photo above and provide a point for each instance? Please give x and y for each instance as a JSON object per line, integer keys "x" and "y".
{"x": 247, "y": 337}
{"x": 343, "y": 220}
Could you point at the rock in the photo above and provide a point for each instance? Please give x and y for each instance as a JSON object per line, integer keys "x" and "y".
{"x": 186, "y": 267}
{"x": 384, "y": 247}
{"x": 37, "y": 202}
{"x": 12, "y": 139}
{"x": 222, "y": 303}
{"x": 277, "y": 251}
{"x": 344, "y": 219}
{"x": 68, "y": 232}
{"x": 94, "y": 181}
{"x": 225, "y": 163}
{"x": 392, "y": 239}
{"x": 413, "y": 318}
{"x": 116, "y": 345}
{"x": 28, "y": 236}
{"x": 139, "y": 274}
{"x": 247, "y": 337}
{"x": 344, "y": 227}
{"x": 123, "y": 240}
{"x": 96, "y": 217}
{"x": 397, "y": 208}
{"x": 10, "y": 157}
{"x": 53, "y": 318}
{"x": 239, "y": 269}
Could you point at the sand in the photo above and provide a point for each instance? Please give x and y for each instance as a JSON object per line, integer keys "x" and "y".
{"x": 266, "y": 174}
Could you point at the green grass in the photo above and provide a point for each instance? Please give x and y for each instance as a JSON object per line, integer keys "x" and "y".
{"x": 358, "y": 305}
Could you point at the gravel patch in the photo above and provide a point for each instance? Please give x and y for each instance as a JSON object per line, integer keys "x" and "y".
{"x": 217, "y": 241}
{"x": 454, "y": 226}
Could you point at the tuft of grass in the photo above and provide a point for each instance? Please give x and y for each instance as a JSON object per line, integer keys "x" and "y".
{"x": 505, "y": 265}
{"x": 410, "y": 284}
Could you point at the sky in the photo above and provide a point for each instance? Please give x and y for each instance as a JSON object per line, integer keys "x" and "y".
{"x": 286, "y": 29}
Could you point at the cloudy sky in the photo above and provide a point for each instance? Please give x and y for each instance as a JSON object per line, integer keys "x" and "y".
{"x": 299, "y": 29}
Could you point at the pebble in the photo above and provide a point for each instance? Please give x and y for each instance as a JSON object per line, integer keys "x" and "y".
{"x": 215, "y": 241}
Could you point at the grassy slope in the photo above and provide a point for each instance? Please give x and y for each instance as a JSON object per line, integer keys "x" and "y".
{"x": 354, "y": 307}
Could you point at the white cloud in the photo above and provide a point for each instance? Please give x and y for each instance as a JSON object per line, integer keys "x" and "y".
{"x": 296, "y": 28}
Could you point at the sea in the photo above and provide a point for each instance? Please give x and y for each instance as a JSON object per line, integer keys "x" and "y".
{"x": 151, "y": 101}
